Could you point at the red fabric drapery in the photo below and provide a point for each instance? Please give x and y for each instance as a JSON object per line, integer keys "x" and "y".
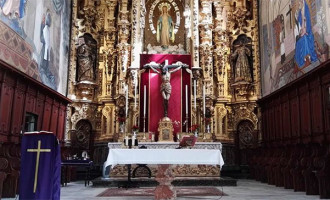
{"x": 154, "y": 99}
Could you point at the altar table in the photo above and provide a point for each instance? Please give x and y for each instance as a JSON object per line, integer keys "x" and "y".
{"x": 164, "y": 156}
{"x": 178, "y": 170}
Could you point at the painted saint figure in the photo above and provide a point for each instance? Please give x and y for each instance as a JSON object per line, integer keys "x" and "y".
{"x": 45, "y": 53}
{"x": 242, "y": 66}
{"x": 165, "y": 87}
{"x": 304, "y": 36}
{"x": 165, "y": 27}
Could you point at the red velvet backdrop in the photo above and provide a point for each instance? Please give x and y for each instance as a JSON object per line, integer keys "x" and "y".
{"x": 154, "y": 100}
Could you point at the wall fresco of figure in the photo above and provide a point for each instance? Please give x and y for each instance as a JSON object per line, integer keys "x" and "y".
{"x": 295, "y": 38}
{"x": 35, "y": 39}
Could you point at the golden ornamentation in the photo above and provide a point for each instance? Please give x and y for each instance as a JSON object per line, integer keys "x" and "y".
{"x": 165, "y": 129}
{"x": 214, "y": 26}
{"x": 177, "y": 170}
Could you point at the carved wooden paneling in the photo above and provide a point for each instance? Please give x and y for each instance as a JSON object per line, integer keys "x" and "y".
{"x": 39, "y": 110}
{"x": 264, "y": 124}
{"x": 326, "y": 99}
{"x": 6, "y": 108}
{"x": 278, "y": 123}
{"x": 304, "y": 110}
{"x": 54, "y": 117}
{"x": 17, "y": 117}
{"x": 294, "y": 116}
{"x": 61, "y": 122}
{"x": 30, "y": 103}
{"x": 286, "y": 128}
{"x": 305, "y": 120}
{"x": 271, "y": 129}
{"x": 316, "y": 108}
{"x": 47, "y": 115}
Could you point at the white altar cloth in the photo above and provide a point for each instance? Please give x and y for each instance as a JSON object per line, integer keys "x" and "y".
{"x": 164, "y": 156}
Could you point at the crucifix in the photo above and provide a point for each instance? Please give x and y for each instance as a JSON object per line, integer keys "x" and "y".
{"x": 38, "y": 151}
{"x": 165, "y": 71}
{"x": 290, "y": 13}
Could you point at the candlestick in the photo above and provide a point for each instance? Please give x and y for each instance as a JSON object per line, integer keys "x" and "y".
{"x": 144, "y": 100}
{"x": 126, "y": 100}
{"x": 195, "y": 88}
{"x": 204, "y": 100}
{"x": 186, "y": 99}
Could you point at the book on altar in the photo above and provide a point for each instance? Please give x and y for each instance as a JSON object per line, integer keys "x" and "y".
{"x": 188, "y": 141}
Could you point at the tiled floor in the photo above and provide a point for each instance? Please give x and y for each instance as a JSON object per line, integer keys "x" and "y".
{"x": 245, "y": 190}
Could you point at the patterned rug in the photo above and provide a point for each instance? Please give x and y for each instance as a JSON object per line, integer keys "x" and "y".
{"x": 180, "y": 191}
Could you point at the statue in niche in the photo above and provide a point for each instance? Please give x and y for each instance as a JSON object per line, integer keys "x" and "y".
{"x": 86, "y": 60}
{"x": 242, "y": 66}
{"x": 165, "y": 26}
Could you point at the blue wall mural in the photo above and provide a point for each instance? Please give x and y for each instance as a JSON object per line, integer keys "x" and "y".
{"x": 295, "y": 38}
{"x": 34, "y": 38}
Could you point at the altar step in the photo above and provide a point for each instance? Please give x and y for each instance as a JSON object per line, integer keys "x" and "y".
{"x": 151, "y": 182}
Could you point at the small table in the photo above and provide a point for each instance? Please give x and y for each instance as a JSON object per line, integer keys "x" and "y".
{"x": 87, "y": 164}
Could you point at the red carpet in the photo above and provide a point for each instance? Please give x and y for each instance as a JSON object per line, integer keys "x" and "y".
{"x": 180, "y": 191}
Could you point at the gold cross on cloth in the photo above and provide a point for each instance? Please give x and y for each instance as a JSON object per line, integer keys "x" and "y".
{"x": 37, "y": 163}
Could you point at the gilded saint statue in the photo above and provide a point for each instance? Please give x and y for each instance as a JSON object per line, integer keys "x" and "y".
{"x": 165, "y": 71}
{"x": 86, "y": 60}
{"x": 242, "y": 67}
{"x": 165, "y": 26}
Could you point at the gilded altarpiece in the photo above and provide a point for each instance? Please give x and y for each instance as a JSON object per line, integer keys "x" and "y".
{"x": 208, "y": 30}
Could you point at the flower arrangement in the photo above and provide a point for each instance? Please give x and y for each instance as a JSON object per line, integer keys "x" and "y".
{"x": 176, "y": 124}
{"x": 121, "y": 120}
{"x": 194, "y": 128}
{"x": 135, "y": 128}
{"x": 207, "y": 120}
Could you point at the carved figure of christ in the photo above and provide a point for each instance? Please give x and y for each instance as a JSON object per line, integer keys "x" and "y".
{"x": 165, "y": 70}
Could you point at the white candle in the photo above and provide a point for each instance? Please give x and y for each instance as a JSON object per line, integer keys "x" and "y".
{"x": 144, "y": 100}
{"x": 153, "y": 137}
{"x": 204, "y": 100}
{"x": 195, "y": 86}
{"x": 133, "y": 140}
{"x": 126, "y": 100}
{"x": 134, "y": 97}
{"x": 186, "y": 99}
{"x": 126, "y": 140}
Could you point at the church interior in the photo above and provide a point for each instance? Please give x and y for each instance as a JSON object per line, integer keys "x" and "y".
{"x": 244, "y": 78}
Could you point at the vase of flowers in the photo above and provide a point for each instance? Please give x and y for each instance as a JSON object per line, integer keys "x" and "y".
{"x": 194, "y": 129}
{"x": 135, "y": 129}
